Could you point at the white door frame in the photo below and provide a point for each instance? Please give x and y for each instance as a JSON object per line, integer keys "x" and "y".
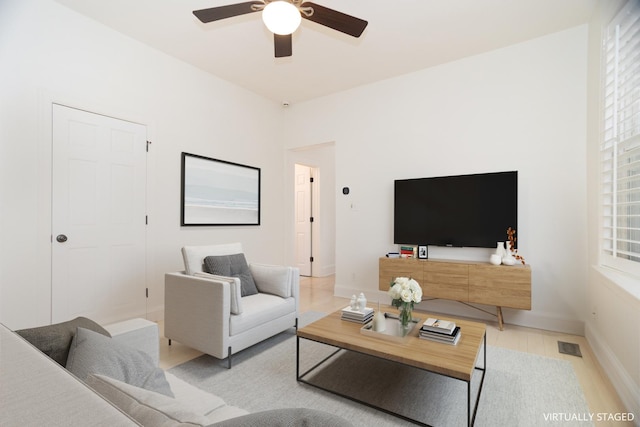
{"x": 303, "y": 218}
{"x": 40, "y": 313}
{"x": 322, "y": 158}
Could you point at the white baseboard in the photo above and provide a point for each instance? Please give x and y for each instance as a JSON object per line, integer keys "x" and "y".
{"x": 325, "y": 271}
{"x": 622, "y": 381}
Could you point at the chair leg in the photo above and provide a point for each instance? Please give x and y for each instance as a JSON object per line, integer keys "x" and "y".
{"x": 169, "y": 341}
{"x": 229, "y": 358}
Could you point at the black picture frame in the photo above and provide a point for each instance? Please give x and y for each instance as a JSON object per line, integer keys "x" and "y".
{"x": 423, "y": 252}
{"x": 217, "y": 192}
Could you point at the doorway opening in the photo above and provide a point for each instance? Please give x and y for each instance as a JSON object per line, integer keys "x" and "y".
{"x": 312, "y": 216}
{"x": 304, "y": 218}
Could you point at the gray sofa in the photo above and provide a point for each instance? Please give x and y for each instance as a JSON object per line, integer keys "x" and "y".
{"x": 113, "y": 383}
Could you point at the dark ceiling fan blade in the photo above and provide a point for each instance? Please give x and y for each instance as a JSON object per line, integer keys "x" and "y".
{"x": 228, "y": 11}
{"x": 337, "y": 20}
{"x": 282, "y": 45}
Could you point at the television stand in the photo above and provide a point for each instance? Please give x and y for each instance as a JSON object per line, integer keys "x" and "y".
{"x": 468, "y": 282}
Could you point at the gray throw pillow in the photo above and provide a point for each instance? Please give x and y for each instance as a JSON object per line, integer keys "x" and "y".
{"x": 232, "y": 266}
{"x": 55, "y": 340}
{"x": 92, "y": 353}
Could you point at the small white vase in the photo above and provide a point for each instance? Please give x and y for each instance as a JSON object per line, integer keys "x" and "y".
{"x": 500, "y": 250}
{"x": 508, "y": 260}
{"x": 495, "y": 259}
{"x": 507, "y": 249}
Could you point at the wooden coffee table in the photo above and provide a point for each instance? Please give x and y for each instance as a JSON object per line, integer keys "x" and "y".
{"x": 454, "y": 361}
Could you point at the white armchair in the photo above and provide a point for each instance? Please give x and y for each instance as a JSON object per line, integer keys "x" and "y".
{"x": 208, "y": 312}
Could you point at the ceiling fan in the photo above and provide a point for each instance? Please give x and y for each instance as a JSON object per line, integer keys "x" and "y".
{"x": 274, "y": 12}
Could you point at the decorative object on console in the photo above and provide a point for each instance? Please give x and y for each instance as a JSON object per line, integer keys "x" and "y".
{"x": 512, "y": 245}
{"x": 404, "y": 293}
{"x": 504, "y": 254}
{"x": 508, "y": 260}
{"x": 500, "y": 250}
{"x": 423, "y": 252}
{"x": 407, "y": 251}
{"x": 354, "y": 302}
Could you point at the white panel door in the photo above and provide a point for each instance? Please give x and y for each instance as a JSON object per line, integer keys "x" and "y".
{"x": 303, "y": 219}
{"x": 98, "y": 217}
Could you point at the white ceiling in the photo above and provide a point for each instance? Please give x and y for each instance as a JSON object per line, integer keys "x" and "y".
{"x": 402, "y": 36}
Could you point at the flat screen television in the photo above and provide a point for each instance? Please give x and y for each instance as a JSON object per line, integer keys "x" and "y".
{"x": 460, "y": 211}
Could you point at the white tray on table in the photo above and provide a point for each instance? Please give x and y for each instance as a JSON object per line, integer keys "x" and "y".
{"x": 393, "y": 329}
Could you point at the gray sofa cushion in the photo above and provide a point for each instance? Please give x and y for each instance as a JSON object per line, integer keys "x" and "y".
{"x": 289, "y": 417}
{"x": 92, "y": 353}
{"x": 146, "y": 407}
{"x": 55, "y": 340}
{"x": 232, "y": 266}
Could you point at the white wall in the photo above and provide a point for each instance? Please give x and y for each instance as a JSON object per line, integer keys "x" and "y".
{"x": 51, "y": 54}
{"x": 613, "y": 318}
{"x": 518, "y": 108}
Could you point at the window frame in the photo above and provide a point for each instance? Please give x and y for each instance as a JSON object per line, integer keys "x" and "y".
{"x": 620, "y": 140}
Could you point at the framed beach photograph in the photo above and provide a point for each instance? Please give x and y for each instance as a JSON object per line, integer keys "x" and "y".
{"x": 217, "y": 192}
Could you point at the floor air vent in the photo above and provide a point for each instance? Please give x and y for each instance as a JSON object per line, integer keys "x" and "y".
{"x": 569, "y": 348}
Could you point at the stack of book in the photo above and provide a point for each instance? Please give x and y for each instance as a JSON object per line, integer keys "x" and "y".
{"x": 440, "y": 331}
{"x": 406, "y": 251}
{"x": 358, "y": 316}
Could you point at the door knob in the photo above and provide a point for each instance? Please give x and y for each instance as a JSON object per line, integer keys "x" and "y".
{"x": 61, "y": 238}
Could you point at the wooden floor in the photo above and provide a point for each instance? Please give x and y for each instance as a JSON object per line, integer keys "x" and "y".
{"x": 316, "y": 294}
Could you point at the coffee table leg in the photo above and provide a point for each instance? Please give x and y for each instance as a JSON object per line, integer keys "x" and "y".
{"x": 472, "y": 419}
{"x": 469, "y": 403}
{"x": 471, "y": 415}
{"x": 297, "y": 358}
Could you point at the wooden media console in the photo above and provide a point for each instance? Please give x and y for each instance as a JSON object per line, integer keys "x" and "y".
{"x": 463, "y": 281}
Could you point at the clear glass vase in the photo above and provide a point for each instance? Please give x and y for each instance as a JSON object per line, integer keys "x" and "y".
{"x": 406, "y": 315}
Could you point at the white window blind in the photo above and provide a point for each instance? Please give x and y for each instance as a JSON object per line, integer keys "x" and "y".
{"x": 620, "y": 147}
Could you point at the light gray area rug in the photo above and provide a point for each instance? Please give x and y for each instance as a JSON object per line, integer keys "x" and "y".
{"x": 520, "y": 389}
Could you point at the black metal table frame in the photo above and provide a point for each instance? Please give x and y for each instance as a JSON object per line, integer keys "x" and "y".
{"x": 471, "y": 418}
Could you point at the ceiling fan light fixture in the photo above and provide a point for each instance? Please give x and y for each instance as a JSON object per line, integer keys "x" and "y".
{"x": 281, "y": 17}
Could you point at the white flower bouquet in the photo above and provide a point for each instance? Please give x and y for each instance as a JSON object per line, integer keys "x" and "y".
{"x": 404, "y": 293}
